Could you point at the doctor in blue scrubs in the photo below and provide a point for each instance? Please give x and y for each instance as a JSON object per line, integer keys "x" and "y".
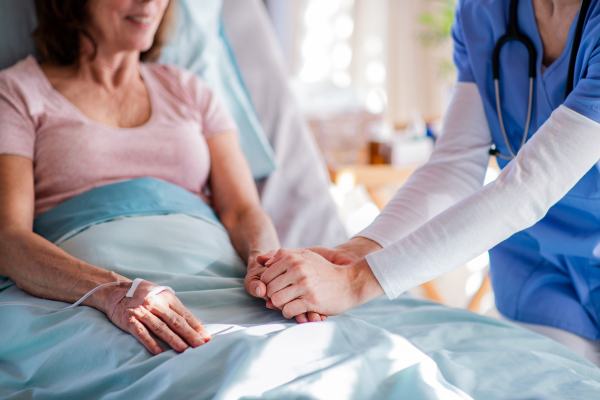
{"x": 528, "y": 92}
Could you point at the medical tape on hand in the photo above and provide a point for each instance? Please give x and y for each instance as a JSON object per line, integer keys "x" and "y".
{"x": 157, "y": 289}
{"x": 134, "y": 293}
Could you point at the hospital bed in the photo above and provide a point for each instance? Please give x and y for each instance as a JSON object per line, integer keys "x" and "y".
{"x": 401, "y": 349}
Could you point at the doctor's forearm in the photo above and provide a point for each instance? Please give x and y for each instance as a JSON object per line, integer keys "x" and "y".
{"x": 545, "y": 169}
{"x": 44, "y": 270}
{"x": 358, "y": 247}
{"x": 455, "y": 170}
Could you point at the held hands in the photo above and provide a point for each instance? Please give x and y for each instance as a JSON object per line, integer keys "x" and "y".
{"x": 162, "y": 314}
{"x": 330, "y": 282}
{"x": 257, "y": 288}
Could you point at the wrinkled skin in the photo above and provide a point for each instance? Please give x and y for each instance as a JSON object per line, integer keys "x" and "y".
{"x": 166, "y": 317}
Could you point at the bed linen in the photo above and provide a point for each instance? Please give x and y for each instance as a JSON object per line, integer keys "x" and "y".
{"x": 404, "y": 348}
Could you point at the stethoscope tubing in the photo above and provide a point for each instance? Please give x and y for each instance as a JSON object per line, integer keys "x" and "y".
{"x": 514, "y": 34}
{"x": 501, "y": 119}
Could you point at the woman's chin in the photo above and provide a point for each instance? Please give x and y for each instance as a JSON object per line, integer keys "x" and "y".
{"x": 139, "y": 46}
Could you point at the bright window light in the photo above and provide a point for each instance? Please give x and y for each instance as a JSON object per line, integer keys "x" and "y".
{"x": 319, "y": 10}
{"x": 342, "y": 79}
{"x": 346, "y": 182}
{"x": 361, "y": 218}
{"x": 474, "y": 283}
{"x": 344, "y": 27}
{"x": 341, "y": 56}
{"x": 317, "y": 40}
{"x": 312, "y": 51}
{"x": 373, "y": 46}
{"x": 479, "y": 263}
{"x": 488, "y": 301}
{"x": 490, "y": 175}
{"x": 375, "y": 72}
{"x": 376, "y": 100}
{"x": 314, "y": 71}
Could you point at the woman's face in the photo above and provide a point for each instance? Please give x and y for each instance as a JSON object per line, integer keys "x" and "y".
{"x": 125, "y": 25}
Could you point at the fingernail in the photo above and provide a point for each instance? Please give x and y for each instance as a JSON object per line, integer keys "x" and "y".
{"x": 198, "y": 342}
{"x": 206, "y": 336}
{"x": 157, "y": 350}
{"x": 182, "y": 346}
{"x": 258, "y": 291}
{"x": 271, "y": 261}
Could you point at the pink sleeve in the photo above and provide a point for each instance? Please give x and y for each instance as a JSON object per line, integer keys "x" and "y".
{"x": 17, "y": 131}
{"x": 215, "y": 116}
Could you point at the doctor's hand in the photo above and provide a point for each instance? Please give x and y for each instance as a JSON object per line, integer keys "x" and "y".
{"x": 301, "y": 281}
{"x": 163, "y": 315}
{"x": 255, "y": 287}
{"x": 347, "y": 253}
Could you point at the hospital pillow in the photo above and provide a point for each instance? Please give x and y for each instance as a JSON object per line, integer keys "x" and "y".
{"x": 198, "y": 44}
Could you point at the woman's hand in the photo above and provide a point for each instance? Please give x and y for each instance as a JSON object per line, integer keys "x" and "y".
{"x": 164, "y": 315}
{"x": 252, "y": 282}
{"x": 257, "y": 288}
{"x": 301, "y": 281}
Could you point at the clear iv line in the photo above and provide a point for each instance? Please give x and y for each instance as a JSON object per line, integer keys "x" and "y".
{"x": 88, "y": 294}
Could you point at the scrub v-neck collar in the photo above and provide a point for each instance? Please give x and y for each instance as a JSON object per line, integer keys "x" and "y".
{"x": 565, "y": 56}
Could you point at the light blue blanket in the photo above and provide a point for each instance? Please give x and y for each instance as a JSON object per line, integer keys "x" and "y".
{"x": 402, "y": 349}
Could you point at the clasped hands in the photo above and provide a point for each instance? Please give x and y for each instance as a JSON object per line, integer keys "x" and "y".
{"x": 308, "y": 284}
{"x": 313, "y": 283}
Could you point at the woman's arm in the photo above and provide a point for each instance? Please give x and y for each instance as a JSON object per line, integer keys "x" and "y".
{"x": 237, "y": 203}
{"x": 34, "y": 264}
{"x": 236, "y": 199}
{"x": 44, "y": 270}
{"x": 455, "y": 170}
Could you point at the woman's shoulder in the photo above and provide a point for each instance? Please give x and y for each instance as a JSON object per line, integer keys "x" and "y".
{"x": 23, "y": 73}
{"x": 23, "y": 87}
{"x": 171, "y": 71}
{"x": 178, "y": 81}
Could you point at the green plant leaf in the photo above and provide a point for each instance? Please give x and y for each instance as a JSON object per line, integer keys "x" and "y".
{"x": 437, "y": 30}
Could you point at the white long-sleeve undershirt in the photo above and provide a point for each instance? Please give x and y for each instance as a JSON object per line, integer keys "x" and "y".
{"x": 443, "y": 218}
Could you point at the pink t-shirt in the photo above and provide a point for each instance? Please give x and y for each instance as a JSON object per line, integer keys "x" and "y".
{"x": 73, "y": 154}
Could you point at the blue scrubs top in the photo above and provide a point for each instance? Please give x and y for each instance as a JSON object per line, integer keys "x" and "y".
{"x": 548, "y": 274}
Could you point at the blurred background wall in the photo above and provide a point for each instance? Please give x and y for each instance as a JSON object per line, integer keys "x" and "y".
{"x": 394, "y": 55}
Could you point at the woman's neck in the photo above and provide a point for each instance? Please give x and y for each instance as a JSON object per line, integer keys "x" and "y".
{"x": 109, "y": 69}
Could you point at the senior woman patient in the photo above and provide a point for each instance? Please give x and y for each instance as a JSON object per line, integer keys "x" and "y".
{"x": 96, "y": 110}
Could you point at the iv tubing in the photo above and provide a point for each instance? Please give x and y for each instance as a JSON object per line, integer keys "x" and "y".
{"x": 17, "y": 303}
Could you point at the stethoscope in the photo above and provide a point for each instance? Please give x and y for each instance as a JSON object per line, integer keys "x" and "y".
{"x": 514, "y": 34}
